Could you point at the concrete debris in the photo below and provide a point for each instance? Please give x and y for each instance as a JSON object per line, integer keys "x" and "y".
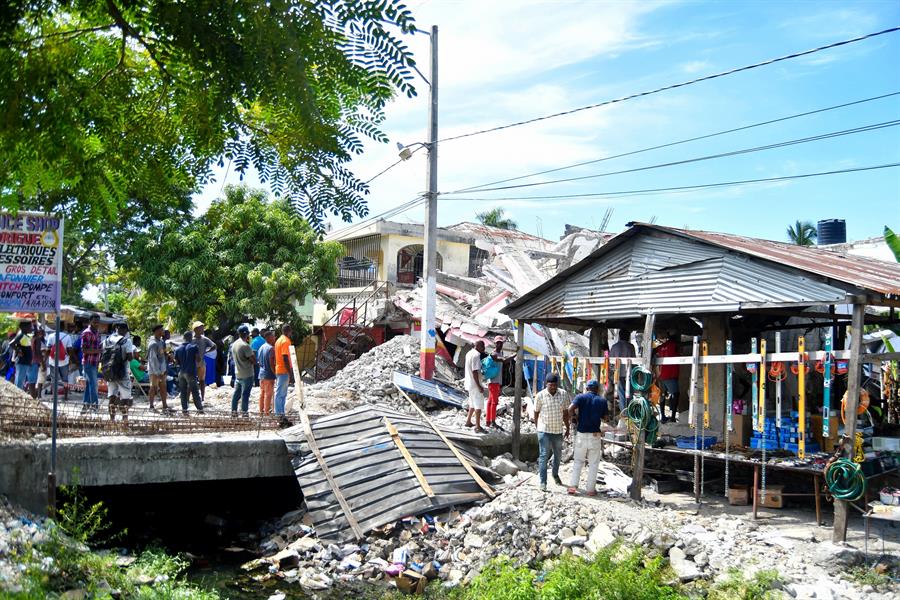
{"x": 684, "y": 568}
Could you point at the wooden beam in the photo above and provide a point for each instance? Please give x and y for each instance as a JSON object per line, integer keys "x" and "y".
{"x": 841, "y": 508}
{"x": 462, "y": 459}
{"x": 314, "y": 447}
{"x": 517, "y": 402}
{"x": 637, "y": 472}
{"x": 647, "y": 341}
{"x": 395, "y": 435}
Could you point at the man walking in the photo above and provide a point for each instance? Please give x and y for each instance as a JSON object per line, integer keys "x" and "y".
{"x": 59, "y": 343}
{"x": 256, "y": 342}
{"x": 38, "y": 369}
{"x": 622, "y": 349}
{"x": 188, "y": 358}
{"x": 668, "y": 377}
{"x": 495, "y": 383}
{"x": 588, "y": 411}
{"x": 474, "y": 385}
{"x": 157, "y": 367}
{"x": 283, "y": 372}
{"x": 266, "y": 360}
{"x": 551, "y": 413}
{"x": 90, "y": 353}
{"x": 115, "y": 359}
{"x": 244, "y": 366}
{"x": 21, "y": 352}
{"x": 204, "y": 345}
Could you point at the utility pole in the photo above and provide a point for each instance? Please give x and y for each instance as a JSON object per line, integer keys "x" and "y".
{"x": 429, "y": 290}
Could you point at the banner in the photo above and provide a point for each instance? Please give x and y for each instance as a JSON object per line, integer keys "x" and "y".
{"x": 30, "y": 262}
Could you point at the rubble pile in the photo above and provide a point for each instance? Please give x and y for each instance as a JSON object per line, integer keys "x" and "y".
{"x": 19, "y": 531}
{"x": 531, "y": 526}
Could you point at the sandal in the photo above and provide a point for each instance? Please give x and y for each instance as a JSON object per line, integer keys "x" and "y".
{"x": 480, "y": 430}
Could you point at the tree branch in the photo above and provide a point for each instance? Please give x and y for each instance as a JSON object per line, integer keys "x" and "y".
{"x": 119, "y": 64}
{"x": 127, "y": 30}
{"x": 69, "y": 32}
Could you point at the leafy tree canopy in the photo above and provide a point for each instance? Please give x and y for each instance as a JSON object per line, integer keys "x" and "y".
{"x": 106, "y": 100}
{"x": 495, "y": 218}
{"x": 892, "y": 241}
{"x": 247, "y": 258}
{"x": 802, "y": 233}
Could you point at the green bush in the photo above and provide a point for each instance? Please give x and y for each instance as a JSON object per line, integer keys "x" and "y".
{"x": 737, "y": 587}
{"x": 500, "y": 579}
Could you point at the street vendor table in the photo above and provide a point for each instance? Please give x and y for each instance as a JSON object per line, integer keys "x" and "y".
{"x": 883, "y": 513}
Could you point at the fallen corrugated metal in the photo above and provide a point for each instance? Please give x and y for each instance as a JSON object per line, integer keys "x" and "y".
{"x": 374, "y": 478}
{"x": 430, "y": 389}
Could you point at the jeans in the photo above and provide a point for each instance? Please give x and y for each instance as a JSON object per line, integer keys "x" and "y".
{"x": 620, "y": 389}
{"x": 242, "y": 391}
{"x": 256, "y": 375}
{"x": 188, "y": 383}
{"x": 90, "y": 385}
{"x": 548, "y": 442}
{"x": 669, "y": 388}
{"x": 63, "y": 374}
{"x": 21, "y": 376}
{"x": 281, "y": 389}
{"x": 587, "y": 446}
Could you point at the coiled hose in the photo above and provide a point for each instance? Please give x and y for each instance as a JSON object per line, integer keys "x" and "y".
{"x": 845, "y": 480}
{"x": 641, "y": 413}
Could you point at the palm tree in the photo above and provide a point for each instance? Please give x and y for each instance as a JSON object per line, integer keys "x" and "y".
{"x": 892, "y": 241}
{"x": 494, "y": 218}
{"x": 802, "y": 233}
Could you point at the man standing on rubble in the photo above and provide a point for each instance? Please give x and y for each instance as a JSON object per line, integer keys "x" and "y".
{"x": 244, "y": 365}
{"x": 495, "y": 383}
{"x": 204, "y": 345}
{"x": 189, "y": 358}
{"x": 157, "y": 366}
{"x": 474, "y": 385}
{"x": 588, "y": 411}
{"x": 668, "y": 377}
{"x": 283, "y": 372}
{"x": 256, "y": 342}
{"x": 266, "y": 360}
{"x": 622, "y": 349}
{"x": 118, "y": 350}
{"x": 90, "y": 351}
{"x": 551, "y": 413}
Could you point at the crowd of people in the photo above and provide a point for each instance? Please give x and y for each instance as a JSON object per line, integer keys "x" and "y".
{"x": 82, "y": 356}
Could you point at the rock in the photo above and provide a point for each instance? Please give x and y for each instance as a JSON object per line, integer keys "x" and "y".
{"x": 76, "y": 594}
{"x": 473, "y": 541}
{"x": 701, "y": 559}
{"x": 430, "y": 571}
{"x": 804, "y": 591}
{"x": 304, "y": 544}
{"x": 286, "y": 559}
{"x": 600, "y": 538}
{"x": 504, "y": 466}
{"x": 455, "y": 576}
{"x": 830, "y": 553}
{"x": 565, "y": 532}
{"x": 685, "y": 569}
{"x": 574, "y": 540}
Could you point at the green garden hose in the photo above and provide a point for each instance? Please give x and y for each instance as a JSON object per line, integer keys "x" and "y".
{"x": 845, "y": 480}
{"x": 641, "y": 379}
{"x": 640, "y": 412}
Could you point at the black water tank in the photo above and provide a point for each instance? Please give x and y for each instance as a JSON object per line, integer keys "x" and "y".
{"x": 831, "y": 231}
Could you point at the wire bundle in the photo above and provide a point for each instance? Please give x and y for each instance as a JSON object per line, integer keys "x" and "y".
{"x": 641, "y": 413}
{"x": 845, "y": 480}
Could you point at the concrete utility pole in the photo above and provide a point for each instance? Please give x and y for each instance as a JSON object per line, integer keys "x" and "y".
{"x": 429, "y": 290}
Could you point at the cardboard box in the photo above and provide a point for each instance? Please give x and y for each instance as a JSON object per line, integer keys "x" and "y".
{"x": 742, "y": 430}
{"x": 773, "y": 498}
{"x": 739, "y": 495}
{"x": 827, "y": 444}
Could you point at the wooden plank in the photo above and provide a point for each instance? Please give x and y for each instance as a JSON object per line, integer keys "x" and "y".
{"x": 462, "y": 459}
{"x": 395, "y": 435}
{"x": 637, "y": 472}
{"x": 314, "y": 448}
{"x": 517, "y": 403}
{"x": 647, "y": 341}
{"x": 841, "y": 509}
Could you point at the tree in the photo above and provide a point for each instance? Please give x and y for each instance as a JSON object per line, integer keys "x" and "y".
{"x": 494, "y": 218}
{"x": 247, "y": 258}
{"x": 103, "y": 100}
{"x": 892, "y": 241}
{"x": 802, "y": 233}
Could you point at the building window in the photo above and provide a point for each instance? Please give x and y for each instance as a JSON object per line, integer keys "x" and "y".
{"x": 356, "y": 272}
{"x": 477, "y": 258}
{"x": 411, "y": 262}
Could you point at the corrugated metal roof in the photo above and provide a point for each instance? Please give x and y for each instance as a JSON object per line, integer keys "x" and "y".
{"x": 373, "y": 476}
{"x": 667, "y": 271}
{"x": 502, "y": 236}
{"x": 430, "y": 389}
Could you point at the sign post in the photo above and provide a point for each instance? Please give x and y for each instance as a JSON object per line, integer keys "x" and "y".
{"x": 31, "y": 253}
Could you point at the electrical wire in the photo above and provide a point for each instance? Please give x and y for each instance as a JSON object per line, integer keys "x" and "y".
{"x": 391, "y": 212}
{"x": 815, "y": 138}
{"x": 650, "y": 191}
{"x": 679, "y": 142}
{"x": 392, "y": 165}
{"x": 673, "y": 86}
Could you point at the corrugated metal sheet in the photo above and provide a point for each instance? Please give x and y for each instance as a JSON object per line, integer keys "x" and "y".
{"x": 515, "y": 237}
{"x": 430, "y": 389}
{"x": 373, "y": 476}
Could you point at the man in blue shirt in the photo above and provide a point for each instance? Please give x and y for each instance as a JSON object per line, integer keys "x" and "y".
{"x": 188, "y": 357}
{"x": 257, "y": 339}
{"x": 591, "y": 410}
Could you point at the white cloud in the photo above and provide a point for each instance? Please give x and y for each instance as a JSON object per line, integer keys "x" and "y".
{"x": 695, "y": 66}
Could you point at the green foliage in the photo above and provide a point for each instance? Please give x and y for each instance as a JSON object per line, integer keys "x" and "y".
{"x": 892, "y": 241}
{"x": 500, "y": 579}
{"x": 248, "y": 258}
{"x": 105, "y": 101}
{"x": 865, "y": 575}
{"x": 802, "y": 233}
{"x": 495, "y": 218}
{"x": 81, "y": 520}
{"x": 762, "y": 586}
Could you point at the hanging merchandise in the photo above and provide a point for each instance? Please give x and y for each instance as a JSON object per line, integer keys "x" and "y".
{"x": 705, "y": 351}
{"x": 754, "y": 389}
{"x": 762, "y": 385}
{"x": 826, "y": 397}
{"x": 604, "y": 369}
{"x": 859, "y": 456}
{"x": 615, "y": 385}
{"x": 801, "y": 403}
{"x": 643, "y": 416}
{"x": 641, "y": 379}
{"x": 729, "y": 409}
{"x": 655, "y": 394}
{"x": 777, "y": 373}
{"x": 861, "y": 406}
{"x": 845, "y": 480}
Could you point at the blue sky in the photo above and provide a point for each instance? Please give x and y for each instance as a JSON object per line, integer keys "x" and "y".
{"x": 505, "y": 61}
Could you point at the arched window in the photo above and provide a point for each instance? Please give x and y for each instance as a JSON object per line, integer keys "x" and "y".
{"x": 411, "y": 262}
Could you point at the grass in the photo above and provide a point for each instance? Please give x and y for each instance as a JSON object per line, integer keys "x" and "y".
{"x": 762, "y": 586}
{"x": 864, "y": 575}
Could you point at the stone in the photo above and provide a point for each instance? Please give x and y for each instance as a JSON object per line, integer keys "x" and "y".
{"x": 304, "y": 544}
{"x": 574, "y": 540}
{"x": 565, "y": 532}
{"x": 504, "y": 466}
{"x": 473, "y": 541}
{"x": 286, "y": 559}
{"x": 430, "y": 571}
{"x": 600, "y": 538}
{"x": 701, "y": 559}
{"x": 685, "y": 569}
{"x": 830, "y": 553}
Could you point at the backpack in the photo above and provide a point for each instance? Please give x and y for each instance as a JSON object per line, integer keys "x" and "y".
{"x": 58, "y": 348}
{"x": 112, "y": 360}
{"x": 489, "y": 367}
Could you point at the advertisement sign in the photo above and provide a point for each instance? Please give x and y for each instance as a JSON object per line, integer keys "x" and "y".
{"x": 31, "y": 255}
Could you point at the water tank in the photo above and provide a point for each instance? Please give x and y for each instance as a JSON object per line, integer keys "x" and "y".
{"x": 831, "y": 231}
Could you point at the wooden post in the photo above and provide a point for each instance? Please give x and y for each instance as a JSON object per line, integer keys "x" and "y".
{"x": 598, "y": 339}
{"x": 646, "y": 352}
{"x": 398, "y": 441}
{"x": 839, "y": 534}
{"x": 693, "y": 414}
{"x": 517, "y": 404}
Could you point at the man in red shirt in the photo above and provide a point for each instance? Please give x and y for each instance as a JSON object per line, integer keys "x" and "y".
{"x": 668, "y": 377}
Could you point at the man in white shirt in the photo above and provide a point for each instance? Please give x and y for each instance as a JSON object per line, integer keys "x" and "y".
{"x": 622, "y": 349}
{"x": 62, "y": 346}
{"x": 474, "y": 385}
{"x": 551, "y": 413}
{"x": 115, "y": 361}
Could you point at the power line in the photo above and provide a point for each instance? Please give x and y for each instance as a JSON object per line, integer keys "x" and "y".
{"x": 627, "y": 193}
{"x": 824, "y": 136}
{"x": 382, "y": 172}
{"x": 400, "y": 208}
{"x": 672, "y": 86}
{"x": 676, "y": 143}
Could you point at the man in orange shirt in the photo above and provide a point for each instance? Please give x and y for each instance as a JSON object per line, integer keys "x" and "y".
{"x": 283, "y": 371}
{"x": 668, "y": 377}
